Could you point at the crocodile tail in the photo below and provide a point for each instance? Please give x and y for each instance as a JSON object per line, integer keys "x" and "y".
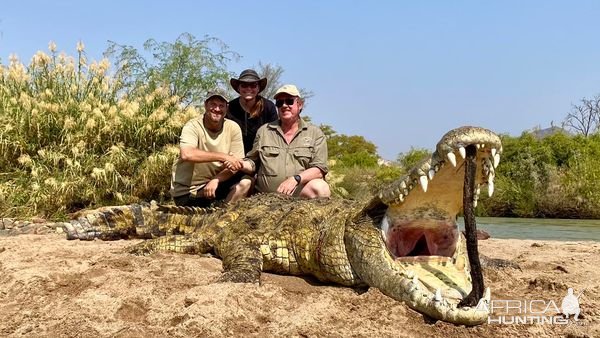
{"x": 134, "y": 221}
{"x": 111, "y": 223}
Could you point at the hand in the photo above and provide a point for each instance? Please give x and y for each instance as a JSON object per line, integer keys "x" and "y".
{"x": 288, "y": 186}
{"x": 232, "y": 163}
{"x": 210, "y": 189}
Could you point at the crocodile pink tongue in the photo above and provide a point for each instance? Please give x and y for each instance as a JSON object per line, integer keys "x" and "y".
{"x": 412, "y": 239}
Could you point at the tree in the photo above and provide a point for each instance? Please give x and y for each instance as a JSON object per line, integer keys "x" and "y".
{"x": 584, "y": 118}
{"x": 412, "y": 157}
{"x": 187, "y": 67}
{"x": 352, "y": 150}
{"x": 273, "y": 74}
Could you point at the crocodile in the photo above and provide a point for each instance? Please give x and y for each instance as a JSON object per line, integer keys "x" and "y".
{"x": 404, "y": 241}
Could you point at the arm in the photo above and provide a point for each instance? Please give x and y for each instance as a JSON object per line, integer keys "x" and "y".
{"x": 236, "y": 148}
{"x": 188, "y": 146}
{"x": 319, "y": 160}
{"x": 193, "y": 154}
{"x": 317, "y": 167}
{"x": 289, "y": 185}
{"x": 252, "y": 158}
{"x": 210, "y": 189}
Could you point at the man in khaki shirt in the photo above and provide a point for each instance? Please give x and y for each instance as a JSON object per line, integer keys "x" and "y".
{"x": 291, "y": 155}
{"x": 211, "y": 150}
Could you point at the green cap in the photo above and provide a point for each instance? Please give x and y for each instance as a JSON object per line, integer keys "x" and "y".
{"x": 216, "y": 92}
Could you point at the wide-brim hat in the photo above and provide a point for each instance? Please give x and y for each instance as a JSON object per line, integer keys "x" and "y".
{"x": 249, "y": 75}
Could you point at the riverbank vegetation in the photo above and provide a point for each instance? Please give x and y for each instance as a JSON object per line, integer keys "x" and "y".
{"x": 80, "y": 134}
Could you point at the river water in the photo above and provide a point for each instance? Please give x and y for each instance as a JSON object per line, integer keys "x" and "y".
{"x": 542, "y": 229}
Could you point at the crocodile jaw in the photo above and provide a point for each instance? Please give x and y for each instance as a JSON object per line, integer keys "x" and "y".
{"x": 411, "y": 280}
{"x": 425, "y": 251}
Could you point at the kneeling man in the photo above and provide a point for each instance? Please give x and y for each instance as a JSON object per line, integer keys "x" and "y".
{"x": 290, "y": 154}
{"x": 211, "y": 152}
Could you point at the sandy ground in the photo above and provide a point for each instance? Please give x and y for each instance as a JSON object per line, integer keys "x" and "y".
{"x": 53, "y": 287}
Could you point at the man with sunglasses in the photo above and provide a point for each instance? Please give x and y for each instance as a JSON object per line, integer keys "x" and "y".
{"x": 290, "y": 154}
{"x": 211, "y": 150}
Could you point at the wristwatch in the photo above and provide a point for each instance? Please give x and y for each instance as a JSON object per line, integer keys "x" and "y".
{"x": 297, "y": 178}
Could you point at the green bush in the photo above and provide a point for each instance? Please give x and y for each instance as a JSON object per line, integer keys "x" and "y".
{"x": 555, "y": 177}
{"x": 71, "y": 138}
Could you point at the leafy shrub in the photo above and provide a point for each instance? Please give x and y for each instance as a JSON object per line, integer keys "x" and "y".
{"x": 70, "y": 137}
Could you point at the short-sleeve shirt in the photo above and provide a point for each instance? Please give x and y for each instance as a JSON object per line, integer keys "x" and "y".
{"x": 249, "y": 125}
{"x": 279, "y": 160}
{"x": 189, "y": 177}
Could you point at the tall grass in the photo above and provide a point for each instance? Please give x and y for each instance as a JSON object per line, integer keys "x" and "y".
{"x": 72, "y": 137}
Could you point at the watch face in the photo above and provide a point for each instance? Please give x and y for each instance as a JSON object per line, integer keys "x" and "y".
{"x": 297, "y": 178}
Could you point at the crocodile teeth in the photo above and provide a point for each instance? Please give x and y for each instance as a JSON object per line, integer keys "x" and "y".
{"x": 438, "y": 295}
{"x": 463, "y": 152}
{"x": 496, "y": 160}
{"x": 431, "y": 173}
{"x": 490, "y": 188}
{"x": 493, "y": 151}
{"x": 423, "y": 181}
{"x": 413, "y": 285}
{"x": 402, "y": 185}
{"x": 410, "y": 274}
{"x": 452, "y": 158}
{"x": 475, "y": 204}
{"x": 485, "y": 300}
{"x": 385, "y": 227}
{"x": 487, "y": 294}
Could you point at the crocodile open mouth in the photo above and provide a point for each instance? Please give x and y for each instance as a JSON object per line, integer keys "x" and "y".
{"x": 421, "y": 238}
{"x": 418, "y": 226}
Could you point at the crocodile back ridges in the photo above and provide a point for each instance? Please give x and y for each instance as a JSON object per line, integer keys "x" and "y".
{"x": 182, "y": 210}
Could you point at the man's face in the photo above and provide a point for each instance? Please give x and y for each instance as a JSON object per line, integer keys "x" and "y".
{"x": 248, "y": 90}
{"x": 288, "y": 106}
{"x": 215, "y": 109}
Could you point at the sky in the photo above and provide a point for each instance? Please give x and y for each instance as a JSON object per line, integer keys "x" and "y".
{"x": 399, "y": 73}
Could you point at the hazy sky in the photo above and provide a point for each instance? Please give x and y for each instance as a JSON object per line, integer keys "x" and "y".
{"x": 399, "y": 73}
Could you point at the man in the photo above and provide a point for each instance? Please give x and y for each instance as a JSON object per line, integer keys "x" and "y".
{"x": 208, "y": 145}
{"x": 290, "y": 154}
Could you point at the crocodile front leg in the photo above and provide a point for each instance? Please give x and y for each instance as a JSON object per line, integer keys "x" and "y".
{"x": 242, "y": 262}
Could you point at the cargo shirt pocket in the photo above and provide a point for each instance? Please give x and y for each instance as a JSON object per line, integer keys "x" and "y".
{"x": 303, "y": 156}
{"x": 269, "y": 160}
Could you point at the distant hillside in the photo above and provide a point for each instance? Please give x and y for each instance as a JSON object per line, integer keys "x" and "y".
{"x": 539, "y": 133}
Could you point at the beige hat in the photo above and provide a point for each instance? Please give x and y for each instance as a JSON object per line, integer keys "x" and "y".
{"x": 288, "y": 89}
{"x": 216, "y": 92}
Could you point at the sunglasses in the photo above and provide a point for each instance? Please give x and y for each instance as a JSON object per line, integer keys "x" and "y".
{"x": 289, "y": 101}
{"x": 248, "y": 84}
